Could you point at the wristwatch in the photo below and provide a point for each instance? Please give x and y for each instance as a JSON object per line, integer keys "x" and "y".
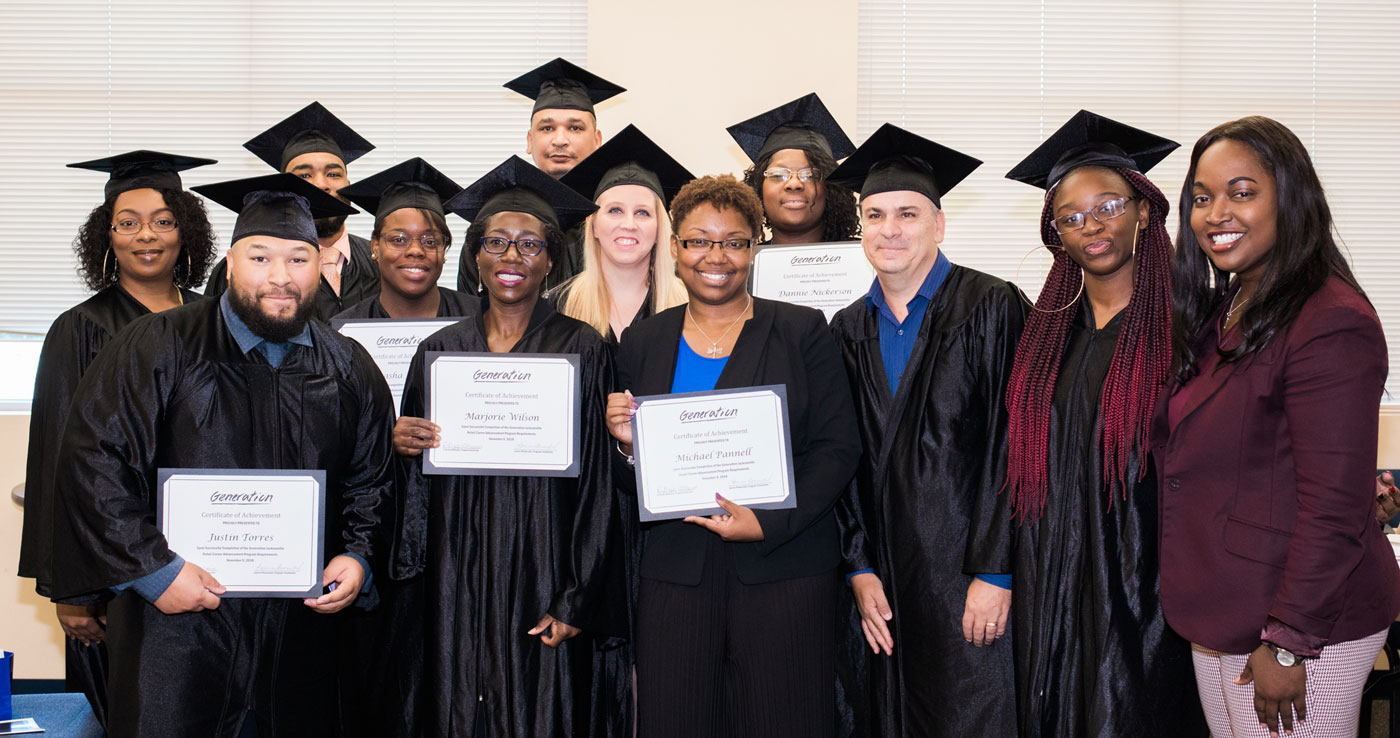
{"x": 1283, "y": 656}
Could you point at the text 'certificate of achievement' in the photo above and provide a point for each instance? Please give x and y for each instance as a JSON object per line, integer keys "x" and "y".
{"x": 825, "y": 276}
{"x": 694, "y": 445}
{"x": 392, "y": 342}
{"x": 260, "y": 532}
{"x": 504, "y": 414}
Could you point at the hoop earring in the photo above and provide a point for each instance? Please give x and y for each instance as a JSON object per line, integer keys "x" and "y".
{"x": 189, "y": 269}
{"x": 1032, "y": 305}
{"x": 105, "y": 256}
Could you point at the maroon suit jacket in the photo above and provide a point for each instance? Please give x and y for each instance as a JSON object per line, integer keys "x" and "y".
{"x": 1267, "y": 486}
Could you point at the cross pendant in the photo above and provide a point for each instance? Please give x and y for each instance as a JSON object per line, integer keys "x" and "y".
{"x": 713, "y": 349}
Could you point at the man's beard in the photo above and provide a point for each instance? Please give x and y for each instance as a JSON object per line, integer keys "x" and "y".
{"x": 265, "y": 326}
{"x": 327, "y": 227}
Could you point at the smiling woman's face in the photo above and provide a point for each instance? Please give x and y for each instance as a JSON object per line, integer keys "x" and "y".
{"x": 793, "y": 206}
{"x": 1234, "y": 208}
{"x": 511, "y": 277}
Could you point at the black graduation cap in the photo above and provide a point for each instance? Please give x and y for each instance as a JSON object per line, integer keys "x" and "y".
{"x": 561, "y": 84}
{"x": 136, "y": 170}
{"x": 895, "y": 159}
{"x": 311, "y": 129}
{"x": 1087, "y": 139}
{"x": 628, "y": 158}
{"x": 277, "y": 205}
{"x": 804, "y": 123}
{"x": 410, "y": 184}
{"x": 518, "y": 186}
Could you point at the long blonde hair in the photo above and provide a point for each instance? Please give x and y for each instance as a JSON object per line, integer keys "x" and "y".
{"x": 589, "y": 299}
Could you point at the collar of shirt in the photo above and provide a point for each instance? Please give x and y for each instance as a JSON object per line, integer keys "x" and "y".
{"x": 342, "y": 245}
{"x": 875, "y": 298}
{"x": 246, "y": 338}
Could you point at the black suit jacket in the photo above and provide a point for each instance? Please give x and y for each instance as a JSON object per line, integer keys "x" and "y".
{"x": 782, "y": 344}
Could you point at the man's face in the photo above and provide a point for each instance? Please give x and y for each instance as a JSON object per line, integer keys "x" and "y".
{"x": 900, "y": 232}
{"x": 326, "y": 171}
{"x": 272, "y": 284}
{"x": 560, "y": 138}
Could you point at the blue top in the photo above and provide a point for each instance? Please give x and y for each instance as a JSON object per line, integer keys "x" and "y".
{"x": 897, "y": 338}
{"x": 897, "y": 344}
{"x": 695, "y": 373}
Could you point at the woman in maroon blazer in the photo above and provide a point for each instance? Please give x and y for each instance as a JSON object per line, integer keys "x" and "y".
{"x": 1272, "y": 564}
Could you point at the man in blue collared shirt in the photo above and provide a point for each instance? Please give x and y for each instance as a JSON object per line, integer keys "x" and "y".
{"x": 926, "y": 534}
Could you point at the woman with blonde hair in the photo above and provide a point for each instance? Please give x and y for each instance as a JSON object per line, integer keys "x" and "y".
{"x": 625, "y": 277}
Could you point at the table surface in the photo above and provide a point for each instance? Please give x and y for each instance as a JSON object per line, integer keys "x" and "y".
{"x": 60, "y": 715}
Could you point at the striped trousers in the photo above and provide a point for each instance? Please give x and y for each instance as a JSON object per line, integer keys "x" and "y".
{"x": 1335, "y": 680}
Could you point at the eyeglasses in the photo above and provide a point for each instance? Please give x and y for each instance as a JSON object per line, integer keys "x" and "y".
{"x": 1104, "y": 211}
{"x": 524, "y": 246}
{"x": 131, "y": 226}
{"x": 705, "y": 244}
{"x": 401, "y": 241}
{"x": 783, "y": 174}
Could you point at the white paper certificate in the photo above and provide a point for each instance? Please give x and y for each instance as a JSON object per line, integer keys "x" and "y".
{"x": 504, "y": 414}
{"x": 392, "y": 342}
{"x": 259, "y": 532}
{"x": 691, "y": 446}
{"x": 825, "y": 276}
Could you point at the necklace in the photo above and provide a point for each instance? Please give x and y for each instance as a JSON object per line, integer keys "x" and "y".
{"x": 713, "y": 350}
{"x": 1230, "y": 312}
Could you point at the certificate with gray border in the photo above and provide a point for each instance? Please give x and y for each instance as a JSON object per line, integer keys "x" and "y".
{"x": 693, "y": 445}
{"x": 260, "y": 532}
{"x": 392, "y": 342}
{"x": 825, "y": 276}
{"x": 503, "y": 414}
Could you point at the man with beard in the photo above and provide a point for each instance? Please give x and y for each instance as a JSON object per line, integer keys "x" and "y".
{"x": 318, "y": 147}
{"x": 244, "y": 381}
{"x": 926, "y": 534}
{"x": 563, "y": 130}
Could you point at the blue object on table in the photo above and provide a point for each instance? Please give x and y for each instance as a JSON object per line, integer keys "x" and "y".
{"x": 7, "y": 670}
{"x": 60, "y": 715}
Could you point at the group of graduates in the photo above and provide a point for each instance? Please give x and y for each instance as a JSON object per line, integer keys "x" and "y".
{"x": 1007, "y": 521}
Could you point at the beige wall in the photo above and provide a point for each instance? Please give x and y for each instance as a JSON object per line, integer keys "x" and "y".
{"x": 27, "y": 625}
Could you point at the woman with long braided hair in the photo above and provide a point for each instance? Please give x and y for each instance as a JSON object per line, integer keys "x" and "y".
{"x": 1093, "y": 654}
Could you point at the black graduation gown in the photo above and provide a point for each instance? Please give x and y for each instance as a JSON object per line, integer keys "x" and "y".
{"x": 926, "y": 514}
{"x": 613, "y": 704}
{"x": 452, "y": 304}
{"x": 1094, "y": 655}
{"x": 69, "y": 349}
{"x": 175, "y": 390}
{"x": 382, "y": 663}
{"x": 567, "y": 265}
{"x": 499, "y": 552}
{"x": 359, "y": 279}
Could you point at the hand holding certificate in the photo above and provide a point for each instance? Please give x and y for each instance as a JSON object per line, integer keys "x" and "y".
{"x": 691, "y": 447}
{"x": 506, "y": 414}
{"x": 258, "y": 532}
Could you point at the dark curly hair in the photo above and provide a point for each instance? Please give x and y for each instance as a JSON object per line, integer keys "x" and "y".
{"x": 197, "y": 240}
{"x": 722, "y": 192}
{"x": 555, "y": 241}
{"x": 840, "y": 219}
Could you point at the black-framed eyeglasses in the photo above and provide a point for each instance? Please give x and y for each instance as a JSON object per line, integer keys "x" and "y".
{"x": 400, "y": 241}
{"x": 131, "y": 226}
{"x": 783, "y": 174}
{"x": 705, "y": 244}
{"x": 1103, "y": 212}
{"x": 523, "y": 246}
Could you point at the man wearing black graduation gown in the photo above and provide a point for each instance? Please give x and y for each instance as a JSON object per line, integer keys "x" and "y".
{"x": 245, "y": 381}
{"x": 317, "y": 146}
{"x": 563, "y": 132}
{"x": 925, "y": 534}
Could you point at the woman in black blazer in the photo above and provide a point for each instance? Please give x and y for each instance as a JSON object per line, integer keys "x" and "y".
{"x": 736, "y": 612}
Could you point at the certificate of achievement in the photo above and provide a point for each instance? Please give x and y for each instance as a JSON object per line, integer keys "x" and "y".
{"x": 825, "y": 276}
{"x": 259, "y": 532}
{"x": 504, "y": 414}
{"x": 691, "y": 446}
{"x": 392, "y": 342}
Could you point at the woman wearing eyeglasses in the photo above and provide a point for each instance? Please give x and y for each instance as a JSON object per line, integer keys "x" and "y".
{"x": 793, "y": 148}
{"x": 1092, "y": 651}
{"x": 141, "y": 250}
{"x": 513, "y": 567}
{"x": 735, "y": 620}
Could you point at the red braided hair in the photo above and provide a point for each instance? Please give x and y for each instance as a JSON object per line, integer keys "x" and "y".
{"x": 1141, "y": 361}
